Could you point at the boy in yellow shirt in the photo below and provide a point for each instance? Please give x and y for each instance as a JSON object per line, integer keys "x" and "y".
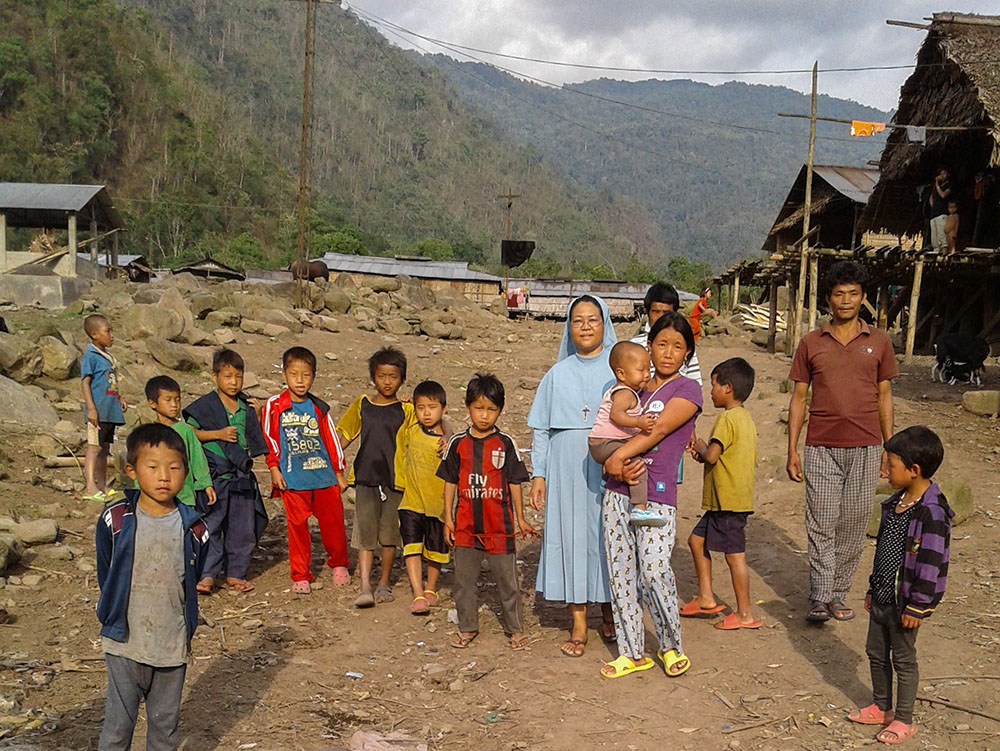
{"x": 727, "y": 497}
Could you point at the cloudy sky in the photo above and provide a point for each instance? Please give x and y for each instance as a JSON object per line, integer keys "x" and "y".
{"x": 684, "y": 35}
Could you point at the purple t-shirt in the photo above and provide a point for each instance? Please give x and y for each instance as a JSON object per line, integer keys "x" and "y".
{"x": 664, "y": 458}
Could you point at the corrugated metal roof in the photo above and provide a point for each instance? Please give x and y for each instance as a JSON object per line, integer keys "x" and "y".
{"x": 857, "y": 183}
{"x": 104, "y": 259}
{"x": 46, "y": 196}
{"x": 572, "y": 288}
{"x": 458, "y": 271}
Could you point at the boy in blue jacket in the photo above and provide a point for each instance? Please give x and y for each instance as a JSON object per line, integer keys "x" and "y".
{"x": 149, "y": 559}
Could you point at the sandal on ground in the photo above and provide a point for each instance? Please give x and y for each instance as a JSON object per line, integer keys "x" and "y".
{"x": 693, "y": 610}
{"x": 110, "y": 496}
{"x": 519, "y": 643}
{"x": 205, "y": 586}
{"x": 432, "y": 597}
{"x": 871, "y": 715}
{"x": 240, "y": 585}
{"x": 420, "y": 606}
{"x": 732, "y": 622}
{"x": 672, "y": 660}
{"x": 624, "y": 665}
{"x": 98, "y": 497}
{"x": 895, "y": 732}
{"x": 818, "y": 613}
{"x": 840, "y": 611}
{"x": 608, "y": 633}
{"x": 383, "y": 593}
{"x": 462, "y": 642}
{"x": 341, "y": 576}
{"x": 364, "y": 600}
{"x": 301, "y": 587}
{"x": 573, "y": 648}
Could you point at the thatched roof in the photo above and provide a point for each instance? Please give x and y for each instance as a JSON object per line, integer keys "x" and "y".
{"x": 956, "y": 83}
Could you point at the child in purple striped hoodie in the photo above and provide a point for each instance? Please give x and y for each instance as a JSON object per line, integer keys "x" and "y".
{"x": 908, "y": 578}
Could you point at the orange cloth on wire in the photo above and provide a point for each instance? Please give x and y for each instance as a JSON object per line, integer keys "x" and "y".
{"x": 864, "y": 128}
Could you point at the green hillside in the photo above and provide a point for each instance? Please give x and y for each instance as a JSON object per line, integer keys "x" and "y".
{"x": 712, "y": 190}
{"x": 189, "y": 110}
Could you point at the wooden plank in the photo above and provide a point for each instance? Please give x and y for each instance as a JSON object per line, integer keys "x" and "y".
{"x": 772, "y": 316}
{"x": 911, "y": 324}
{"x": 813, "y": 289}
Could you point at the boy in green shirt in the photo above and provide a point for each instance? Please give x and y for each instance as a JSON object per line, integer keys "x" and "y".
{"x": 727, "y": 497}
{"x": 163, "y": 394}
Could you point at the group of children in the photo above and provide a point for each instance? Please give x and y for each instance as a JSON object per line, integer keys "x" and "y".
{"x": 196, "y": 511}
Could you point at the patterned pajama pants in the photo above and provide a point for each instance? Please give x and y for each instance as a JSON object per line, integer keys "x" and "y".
{"x": 840, "y": 490}
{"x": 639, "y": 565}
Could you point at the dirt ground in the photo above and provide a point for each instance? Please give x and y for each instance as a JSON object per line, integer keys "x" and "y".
{"x": 275, "y": 671}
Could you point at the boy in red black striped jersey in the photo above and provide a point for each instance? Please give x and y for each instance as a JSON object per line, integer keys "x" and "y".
{"x": 483, "y": 470}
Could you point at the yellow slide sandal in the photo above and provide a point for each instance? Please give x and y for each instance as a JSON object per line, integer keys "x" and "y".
{"x": 623, "y": 666}
{"x": 674, "y": 663}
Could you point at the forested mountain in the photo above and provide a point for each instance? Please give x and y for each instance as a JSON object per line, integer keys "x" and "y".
{"x": 189, "y": 110}
{"x": 713, "y": 189}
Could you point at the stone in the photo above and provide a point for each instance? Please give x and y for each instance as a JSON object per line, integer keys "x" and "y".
{"x": 224, "y": 336}
{"x": 224, "y": 317}
{"x": 759, "y": 337}
{"x": 331, "y": 356}
{"x": 172, "y": 300}
{"x": 119, "y": 301}
{"x": 786, "y": 386}
{"x": 185, "y": 280}
{"x": 396, "y": 326}
{"x": 433, "y": 327}
{"x": 202, "y": 303}
{"x": 412, "y": 292}
{"x": 143, "y": 321}
{"x": 382, "y": 283}
{"x": 498, "y": 307}
{"x": 59, "y": 360}
{"x": 326, "y": 323}
{"x": 43, "y": 445}
{"x": 250, "y": 379}
{"x": 280, "y": 317}
{"x": 31, "y": 580}
{"x": 147, "y": 295}
{"x": 172, "y": 355}
{"x": 984, "y": 403}
{"x": 85, "y": 566}
{"x": 457, "y": 332}
{"x": 367, "y": 324}
{"x": 276, "y": 331}
{"x": 251, "y": 326}
{"x": 336, "y": 299}
{"x": 21, "y": 406}
{"x": 345, "y": 282}
{"x": 512, "y": 338}
{"x": 201, "y": 338}
{"x": 6, "y": 522}
{"x": 11, "y": 550}
{"x": 20, "y": 358}
{"x": 36, "y": 532}
{"x": 363, "y": 313}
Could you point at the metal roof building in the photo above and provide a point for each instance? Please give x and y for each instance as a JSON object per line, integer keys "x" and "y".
{"x": 415, "y": 266}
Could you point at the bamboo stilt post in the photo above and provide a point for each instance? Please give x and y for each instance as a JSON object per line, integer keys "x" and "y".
{"x": 94, "y": 247}
{"x": 883, "y": 307}
{"x": 813, "y": 289}
{"x": 911, "y": 324}
{"x": 3, "y": 241}
{"x": 772, "y": 315}
{"x": 790, "y": 340}
{"x": 736, "y": 291}
{"x": 71, "y": 255}
{"x": 806, "y": 209}
{"x": 114, "y": 255}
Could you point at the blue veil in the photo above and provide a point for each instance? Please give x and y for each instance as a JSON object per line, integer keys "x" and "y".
{"x": 567, "y": 347}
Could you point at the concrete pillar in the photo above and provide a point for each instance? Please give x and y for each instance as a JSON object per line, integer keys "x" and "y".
{"x": 94, "y": 248}
{"x": 3, "y": 241}
{"x": 114, "y": 255}
{"x": 71, "y": 227}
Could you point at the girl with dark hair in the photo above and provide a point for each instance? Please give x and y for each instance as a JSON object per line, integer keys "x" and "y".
{"x": 700, "y": 307}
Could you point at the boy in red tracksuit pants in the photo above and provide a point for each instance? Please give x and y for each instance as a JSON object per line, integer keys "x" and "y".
{"x": 307, "y": 469}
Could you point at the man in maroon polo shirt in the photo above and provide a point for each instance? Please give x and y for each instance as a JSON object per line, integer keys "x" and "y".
{"x": 849, "y": 366}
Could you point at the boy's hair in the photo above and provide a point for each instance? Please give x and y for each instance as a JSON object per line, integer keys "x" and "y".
{"x": 918, "y": 445}
{"x": 301, "y": 354}
{"x": 485, "y": 384}
{"x": 158, "y": 384}
{"x": 737, "y": 373}
{"x": 226, "y": 356}
{"x": 93, "y": 322}
{"x": 844, "y": 272}
{"x": 661, "y": 292}
{"x": 679, "y": 323}
{"x": 150, "y": 435}
{"x": 387, "y": 356}
{"x": 430, "y": 390}
{"x": 622, "y": 351}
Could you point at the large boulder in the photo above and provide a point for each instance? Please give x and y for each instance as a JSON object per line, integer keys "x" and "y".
{"x": 172, "y": 355}
{"x": 394, "y": 325}
{"x": 11, "y": 550}
{"x": 172, "y": 300}
{"x": 59, "y": 360}
{"x": 985, "y": 403}
{"x": 412, "y": 292}
{"x": 288, "y": 292}
{"x": 203, "y": 303}
{"x": 383, "y": 283}
{"x": 147, "y": 295}
{"x": 224, "y": 317}
{"x": 498, "y": 307}
{"x": 36, "y": 531}
{"x": 336, "y": 299}
{"x": 431, "y": 326}
{"x": 185, "y": 280}
{"x": 22, "y": 406}
{"x": 280, "y": 317}
{"x": 346, "y": 282}
{"x": 251, "y": 326}
{"x": 142, "y": 321}
{"x": 20, "y": 358}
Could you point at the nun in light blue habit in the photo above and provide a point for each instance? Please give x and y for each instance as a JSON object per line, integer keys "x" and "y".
{"x": 573, "y": 567}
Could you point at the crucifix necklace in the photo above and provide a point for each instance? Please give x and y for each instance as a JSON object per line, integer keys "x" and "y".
{"x": 586, "y": 412}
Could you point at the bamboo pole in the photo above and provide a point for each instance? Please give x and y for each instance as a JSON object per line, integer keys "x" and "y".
{"x": 736, "y": 291}
{"x": 71, "y": 230}
{"x": 911, "y": 324}
{"x": 883, "y": 307}
{"x": 800, "y": 290}
{"x": 3, "y": 242}
{"x": 813, "y": 288}
{"x": 772, "y": 315}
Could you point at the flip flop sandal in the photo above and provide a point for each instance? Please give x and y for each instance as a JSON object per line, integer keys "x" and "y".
{"x": 99, "y": 497}
{"x": 114, "y": 495}
{"x": 900, "y": 733}
{"x": 871, "y": 715}
{"x": 301, "y": 587}
{"x": 518, "y": 644}
{"x": 838, "y": 609}
{"x": 341, "y": 576}
{"x": 732, "y": 622}
{"x": 420, "y": 606}
{"x": 432, "y": 597}
{"x": 693, "y": 610}
{"x": 383, "y": 593}
{"x": 462, "y": 642}
{"x": 364, "y": 600}
{"x": 818, "y": 614}
{"x": 576, "y": 645}
{"x": 670, "y": 659}
{"x": 609, "y": 638}
{"x": 206, "y": 586}
{"x": 240, "y": 585}
{"x": 624, "y": 665}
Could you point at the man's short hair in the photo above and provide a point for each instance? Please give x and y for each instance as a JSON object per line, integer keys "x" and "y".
{"x": 301, "y": 354}
{"x": 844, "y": 272}
{"x": 226, "y": 356}
{"x": 488, "y": 385}
{"x": 621, "y": 352}
{"x": 679, "y": 323}
{"x": 736, "y": 373}
{"x": 387, "y": 356}
{"x": 158, "y": 384}
{"x": 431, "y": 390}
{"x": 918, "y": 445}
{"x": 153, "y": 434}
{"x": 662, "y": 292}
{"x": 93, "y": 322}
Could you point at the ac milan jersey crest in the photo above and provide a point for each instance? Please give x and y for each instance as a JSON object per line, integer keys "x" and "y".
{"x": 498, "y": 456}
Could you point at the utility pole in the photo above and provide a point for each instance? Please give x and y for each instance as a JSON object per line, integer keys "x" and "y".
{"x": 804, "y": 255}
{"x": 509, "y": 197}
{"x": 305, "y": 155}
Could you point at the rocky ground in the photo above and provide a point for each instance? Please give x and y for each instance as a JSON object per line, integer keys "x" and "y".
{"x": 276, "y": 671}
